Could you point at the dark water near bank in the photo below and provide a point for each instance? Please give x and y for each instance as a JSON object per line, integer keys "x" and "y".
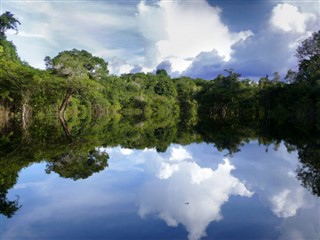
{"x": 188, "y": 191}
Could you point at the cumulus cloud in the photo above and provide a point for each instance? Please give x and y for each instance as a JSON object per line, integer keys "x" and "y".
{"x": 166, "y": 170}
{"x": 126, "y": 151}
{"x": 271, "y": 49}
{"x": 166, "y": 65}
{"x": 179, "y": 154}
{"x": 119, "y": 66}
{"x": 150, "y": 20}
{"x": 287, "y": 17}
{"x": 304, "y": 6}
{"x": 181, "y": 175}
{"x": 264, "y": 54}
{"x": 286, "y": 203}
{"x": 178, "y": 31}
{"x": 279, "y": 188}
{"x": 184, "y": 37}
{"x": 188, "y": 194}
{"x": 205, "y": 65}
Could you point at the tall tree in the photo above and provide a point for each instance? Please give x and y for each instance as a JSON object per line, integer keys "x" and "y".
{"x": 309, "y": 47}
{"x": 309, "y": 172}
{"x": 308, "y": 54}
{"x": 8, "y": 21}
{"x": 77, "y": 68}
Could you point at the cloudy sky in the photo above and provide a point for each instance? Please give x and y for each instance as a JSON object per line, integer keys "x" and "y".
{"x": 196, "y": 38}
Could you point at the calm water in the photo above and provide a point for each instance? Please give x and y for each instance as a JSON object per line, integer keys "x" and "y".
{"x": 187, "y": 192}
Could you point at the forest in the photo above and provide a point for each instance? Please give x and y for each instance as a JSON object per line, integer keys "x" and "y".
{"x": 77, "y": 83}
{"x": 63, "y": 113}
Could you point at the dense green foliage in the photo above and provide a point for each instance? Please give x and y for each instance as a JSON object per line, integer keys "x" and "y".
{"x": 78, "y": 80}
{"x": 8, "y": 21}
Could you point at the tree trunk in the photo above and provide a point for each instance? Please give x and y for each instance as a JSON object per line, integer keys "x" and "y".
{"x": 64, "y": 103}
{"x": 65, "y": 127}
{"x": 25, "y": 115}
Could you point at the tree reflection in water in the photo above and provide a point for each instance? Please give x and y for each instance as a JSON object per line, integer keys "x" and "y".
{"x": 78, "y": 165}
{"x": 79, "y": 158}
{"x": 309, "y": 173}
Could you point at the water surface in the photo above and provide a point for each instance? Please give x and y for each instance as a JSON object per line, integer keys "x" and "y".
{"x": 191, "y": 191}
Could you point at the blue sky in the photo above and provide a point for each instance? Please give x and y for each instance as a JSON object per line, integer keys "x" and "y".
{"x": 196, "y": 38}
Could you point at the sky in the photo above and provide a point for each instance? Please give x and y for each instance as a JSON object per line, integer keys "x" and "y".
{"x": 195, "y": 38}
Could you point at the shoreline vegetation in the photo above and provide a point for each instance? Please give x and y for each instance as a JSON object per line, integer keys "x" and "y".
{"x": 77, "y": 83}
{"x": 62, "y": 114}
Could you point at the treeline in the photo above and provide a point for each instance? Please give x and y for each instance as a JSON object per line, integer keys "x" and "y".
{"x": 77, "y": 83}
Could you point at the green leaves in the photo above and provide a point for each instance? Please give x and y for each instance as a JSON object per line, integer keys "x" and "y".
{"x": 8, "y": 21}
{"x": 165, "y": 87}
{"x": 309, "y": 47}
{"x": 8, "y": 208}
{"x": 76, "y": 64}
{"x": 308, "y": 54}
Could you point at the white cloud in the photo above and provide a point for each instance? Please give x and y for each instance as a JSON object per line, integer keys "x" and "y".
{"x": 287, "y": 202}
{"x": 150, "y": 21}
{"x": 178, "y": 31}
{"x": 287, "y": 17}
{"x": 201, "y": 174}
{"x": 118, "y": 66}
{"x": 279, "y": 189}
{"x": 166, "y": 170}
{"x": 178, "y": 177}
{"x": 126, "y": 151}
{"x": 305, "y": 6}
{"x": 179, "y": 154}
{"x": 271, "y": 49}
{"x": 192, "y": 195}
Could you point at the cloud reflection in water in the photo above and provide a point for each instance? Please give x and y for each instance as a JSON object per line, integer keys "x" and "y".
{"x": 186, "y": 186}
{"x": 184, "y": 192}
